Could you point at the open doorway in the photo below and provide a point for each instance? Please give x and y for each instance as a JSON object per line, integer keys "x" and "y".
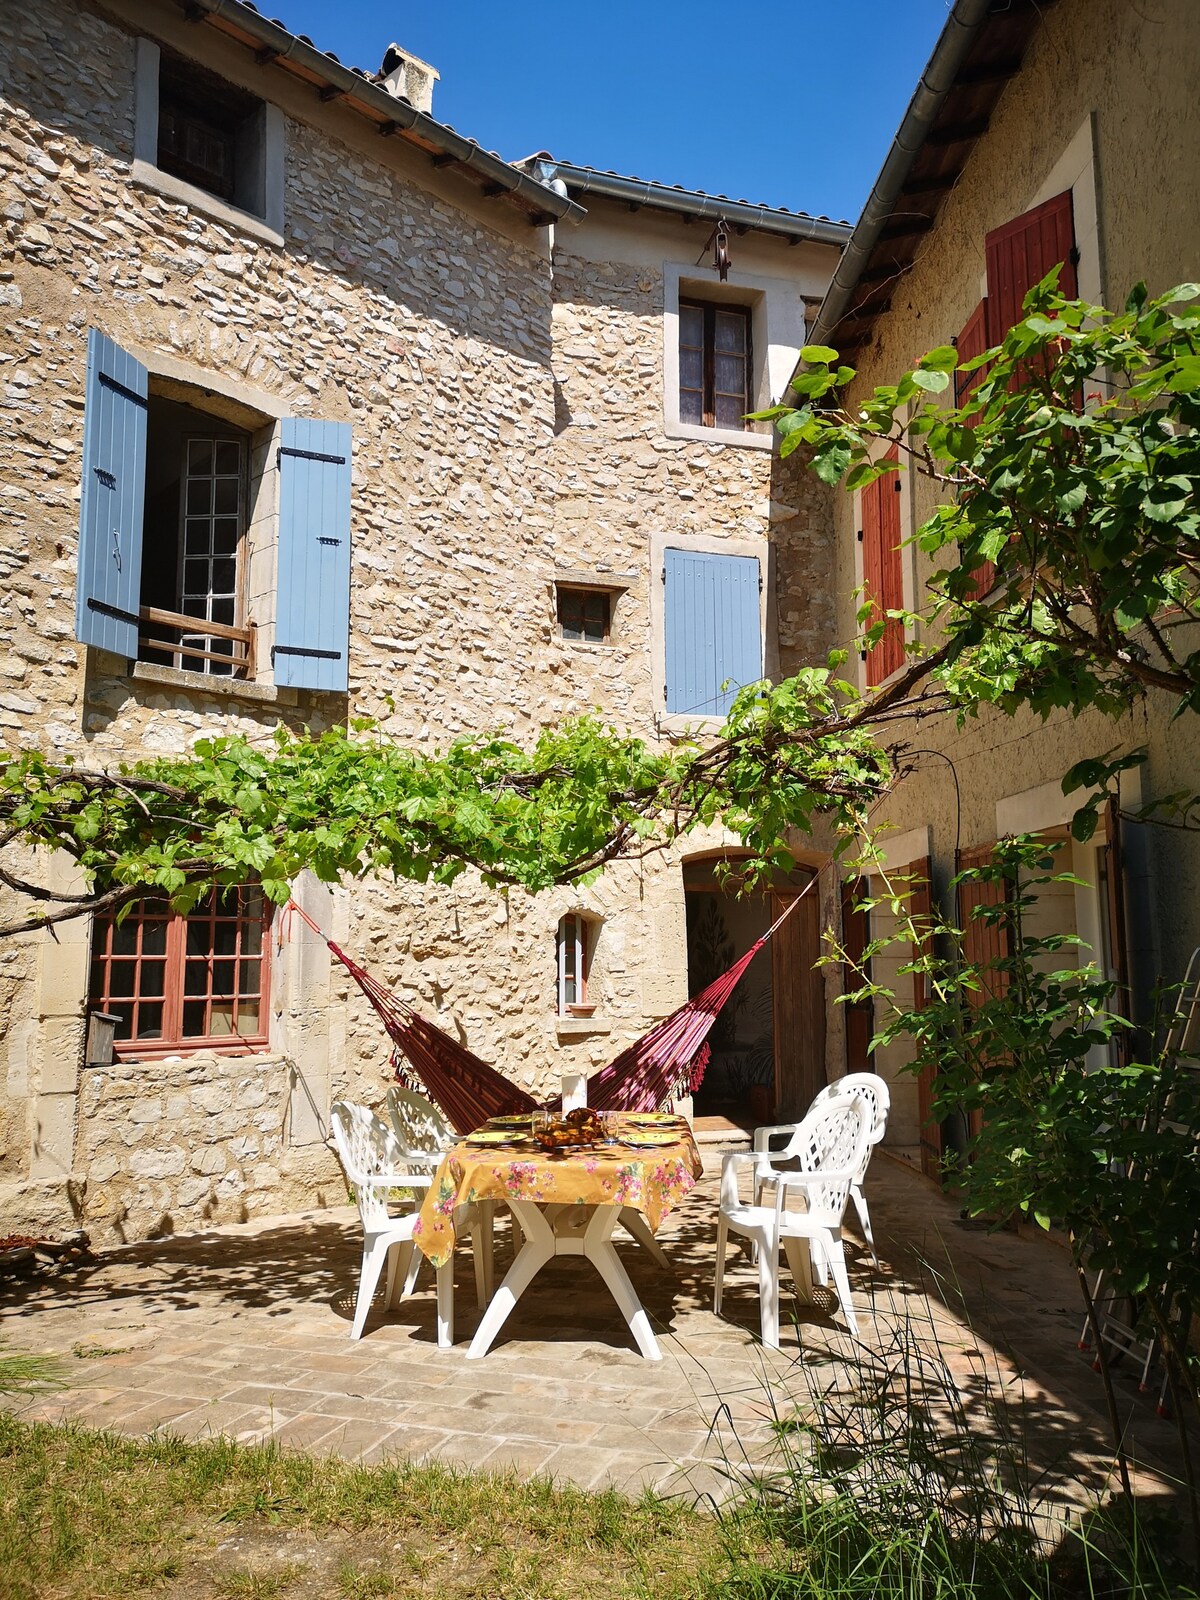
{"x": 768, "y": 1044}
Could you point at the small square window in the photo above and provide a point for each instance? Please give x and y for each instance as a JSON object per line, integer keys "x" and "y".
{"x": 585, "y": 615}
{"x": 210, "y": 133}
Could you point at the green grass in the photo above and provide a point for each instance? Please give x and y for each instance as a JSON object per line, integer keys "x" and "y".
{"x": 891, "y": 1483}
{"x": 86, "y": 1514}
{"x": 20, "y": 1372}
{"x": 897, "y": 1481}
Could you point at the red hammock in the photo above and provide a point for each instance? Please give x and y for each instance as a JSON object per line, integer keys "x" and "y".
{"x": 668, "y": 1060}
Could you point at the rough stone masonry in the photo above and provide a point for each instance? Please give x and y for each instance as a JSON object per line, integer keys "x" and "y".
{"x": 506, "y": 403}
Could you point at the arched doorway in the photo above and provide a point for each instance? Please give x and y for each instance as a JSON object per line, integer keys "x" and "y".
{"x": 768, "y": 1044}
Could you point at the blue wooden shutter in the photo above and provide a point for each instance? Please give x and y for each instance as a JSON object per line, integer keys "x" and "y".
{"x": 312, "y": 618}
{"x": 712, "y": 630}
{"x": 109, "y": 581}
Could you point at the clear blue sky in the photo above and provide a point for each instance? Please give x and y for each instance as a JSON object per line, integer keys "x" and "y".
{"x": 792, "y": 104}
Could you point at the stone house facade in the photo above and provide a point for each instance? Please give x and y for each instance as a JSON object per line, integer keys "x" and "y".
{"x": 1067, "y": 132}
{"x": 405, "y": 432}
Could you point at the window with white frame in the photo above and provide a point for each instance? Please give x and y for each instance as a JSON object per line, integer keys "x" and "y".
{"x": 575, "y": 943}
{"x": 729, "y": 348}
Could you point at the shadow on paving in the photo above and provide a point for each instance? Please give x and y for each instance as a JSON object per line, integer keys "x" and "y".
{"x": 244, "y": 1330}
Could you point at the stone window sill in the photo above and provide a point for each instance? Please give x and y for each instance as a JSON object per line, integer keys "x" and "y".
{"x": 740, "y": 438}
{"x": 148, "y": 176}
{"x": 576, "y": 1027}
{"x": 146, "y": 1054}
{"x": 679, "y": 722}
{"x": 266, "y": 694}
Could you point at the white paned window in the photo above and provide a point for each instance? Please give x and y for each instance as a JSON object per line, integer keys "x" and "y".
{"x": 573, "y": 961}
{"x": 212, "y": 527}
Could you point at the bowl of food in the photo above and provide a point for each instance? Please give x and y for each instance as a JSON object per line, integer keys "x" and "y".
{"x": 559, "y": 1133}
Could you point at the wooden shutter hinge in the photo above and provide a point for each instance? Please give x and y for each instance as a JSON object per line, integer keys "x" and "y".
{"x": 859, "y": 536}
{"x": 123, "y": 391}
{"x": 1073, "y": 257}
{"x": 302, "y": 650}
{"x": 307, "y": 455}
{"x": 105, "y": 610}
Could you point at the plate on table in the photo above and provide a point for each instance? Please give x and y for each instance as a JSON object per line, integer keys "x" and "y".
{"x": 653, "y": 1119}
{"x": 487, "y": 1136}
{"x": 650, "y": 1138}
{"x": 522, "y": 1119}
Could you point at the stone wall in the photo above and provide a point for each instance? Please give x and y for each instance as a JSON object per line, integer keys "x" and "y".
{"x": 194, "y": 1139}
{"x": 506, "y": 413}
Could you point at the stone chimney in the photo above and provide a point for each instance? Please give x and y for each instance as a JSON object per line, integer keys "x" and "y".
{"x": 408, "y": 78}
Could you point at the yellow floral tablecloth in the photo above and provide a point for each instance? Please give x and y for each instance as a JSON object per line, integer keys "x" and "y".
{"x": 651, "y": 1181}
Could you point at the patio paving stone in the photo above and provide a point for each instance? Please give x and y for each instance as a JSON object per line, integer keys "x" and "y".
{"x": 244, "y": 1331}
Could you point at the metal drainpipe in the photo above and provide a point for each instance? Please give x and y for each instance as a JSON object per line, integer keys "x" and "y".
{"x": 956, "y": 39}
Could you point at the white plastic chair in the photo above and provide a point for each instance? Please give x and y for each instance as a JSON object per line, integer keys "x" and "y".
{"x": 877, "y": 1096}
{"x": 424, "y": 1135}
{"x": 421, "y": 1129}
{"x": 373, "y": 1164}
{"x": 829, "y": 1146}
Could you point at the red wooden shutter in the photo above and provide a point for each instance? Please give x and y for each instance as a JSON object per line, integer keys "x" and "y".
{"x": 920, "y": 909}
{"x": 882, "y": 571}
{"x": 972, "y": 342}
{"x": 983, "y": 942}
{"x": 1021, "y": 253}
{"x": 859, "y": 1017}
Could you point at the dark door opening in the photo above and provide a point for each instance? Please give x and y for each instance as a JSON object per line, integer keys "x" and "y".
{"x": 768, "y": 1044}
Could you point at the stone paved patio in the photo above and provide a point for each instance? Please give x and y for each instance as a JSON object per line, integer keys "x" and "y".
{"x": 244, "y": 1331}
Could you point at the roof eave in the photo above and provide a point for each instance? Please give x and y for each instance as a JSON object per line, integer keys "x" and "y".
{"x": 919, "y": 128}
{"x": 689, "y": 203}
{"x": 274, "y": 45}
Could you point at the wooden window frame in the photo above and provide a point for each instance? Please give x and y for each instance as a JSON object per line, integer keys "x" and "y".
{"x": 193, "y": 643}
{"x": 573, "y": 948}
{"x": 174, "y": 959}
{"x": 708, "y": 404}
{"x": 572, "y": 592}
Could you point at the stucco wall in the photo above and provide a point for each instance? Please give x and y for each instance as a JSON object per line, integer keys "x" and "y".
{"x": 1106, "y": 101}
